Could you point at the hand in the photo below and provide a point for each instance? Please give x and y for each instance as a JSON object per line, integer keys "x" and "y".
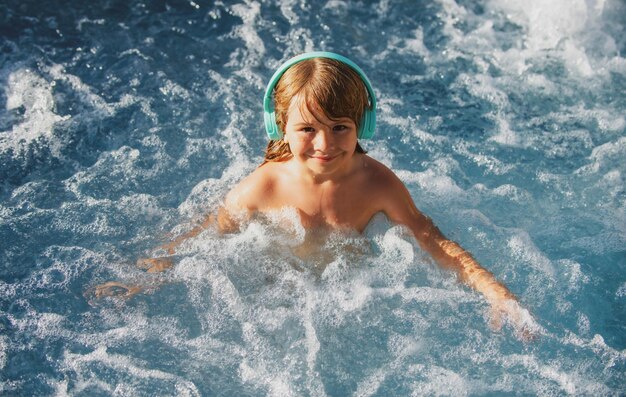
{"x": 154, "y": 265}
{"x": 510, "y": 311}
{"x": 170, "y": 247}
{"x": 113, "y": 289}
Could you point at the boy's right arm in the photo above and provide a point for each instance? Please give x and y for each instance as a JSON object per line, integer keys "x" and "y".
{"x": 240, "y": 202}
{"x": 223, "y": 220}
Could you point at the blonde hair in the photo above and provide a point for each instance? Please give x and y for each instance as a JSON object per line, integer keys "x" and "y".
{"x": 328, "y": 83}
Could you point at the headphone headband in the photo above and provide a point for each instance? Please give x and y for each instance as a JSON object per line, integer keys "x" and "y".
{"x": 368, "y": 123}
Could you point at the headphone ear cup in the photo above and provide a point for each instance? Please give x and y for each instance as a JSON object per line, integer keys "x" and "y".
{"x": 371, "y": 123}
{"x": 367, "y": 125}
{"x": 273, "y": 132}
{"x": 363, "y": 126}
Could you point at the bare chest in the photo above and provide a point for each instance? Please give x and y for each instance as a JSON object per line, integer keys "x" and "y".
{"x": 339, "y": 207}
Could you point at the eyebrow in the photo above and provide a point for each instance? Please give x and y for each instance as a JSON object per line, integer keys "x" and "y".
{"x": 303, "y": 124}
{"x": 340, "y": 120}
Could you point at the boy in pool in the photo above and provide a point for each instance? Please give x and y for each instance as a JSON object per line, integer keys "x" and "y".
{"x": 322, "y": 104}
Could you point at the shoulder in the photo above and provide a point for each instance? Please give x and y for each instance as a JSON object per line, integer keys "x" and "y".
{"x": 379, "y": 175}
{"x": 255, "y": 189}
{"x": 391, "y": 195}
{"x": 381, "y": 186}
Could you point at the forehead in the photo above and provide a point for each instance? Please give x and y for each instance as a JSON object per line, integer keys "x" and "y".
{"x": 301, "y": 110}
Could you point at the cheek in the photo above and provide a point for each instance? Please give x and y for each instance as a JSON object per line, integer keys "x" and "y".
{"x": 349, "y": 141}
{"x": 295, "y": 143}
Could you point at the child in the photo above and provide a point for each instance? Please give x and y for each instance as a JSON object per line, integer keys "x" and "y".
{"x": 322, "y": 103}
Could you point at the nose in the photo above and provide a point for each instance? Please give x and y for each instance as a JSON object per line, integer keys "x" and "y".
{"x": 323, "y": 140}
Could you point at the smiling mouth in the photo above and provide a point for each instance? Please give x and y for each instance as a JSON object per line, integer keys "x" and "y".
{"x": 324, "y": 158}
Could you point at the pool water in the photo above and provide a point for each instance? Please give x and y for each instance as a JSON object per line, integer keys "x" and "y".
{"x": 124, "y": 122}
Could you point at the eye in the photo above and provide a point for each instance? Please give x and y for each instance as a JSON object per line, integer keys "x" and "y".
{"x": 307, "y": 130}
{"x": 340, "y": 128}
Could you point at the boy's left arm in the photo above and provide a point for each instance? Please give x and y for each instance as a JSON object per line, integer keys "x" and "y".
{"x": 401, "y": 209}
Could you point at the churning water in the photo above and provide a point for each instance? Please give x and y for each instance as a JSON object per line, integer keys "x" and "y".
{"x": 123, "y": 122}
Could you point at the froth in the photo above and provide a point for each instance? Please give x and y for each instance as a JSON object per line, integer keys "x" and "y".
{"x": 564, "y": 28}
{"x": 522, "y": 247}
{"x": 138, "y": 372}
{"x": 434, "y": 182}
{"x": 605, "y": 156}
{"x": 249, "y": 13}
{"x": 4, "y": 345}
{"x": 400, "y": 347}
{"x": 31, "y": 94}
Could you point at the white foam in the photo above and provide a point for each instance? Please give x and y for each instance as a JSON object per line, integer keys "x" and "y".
{"x": 416, "y": 43}
{"x": 338, "y": 6}
{"x": 574, "y": 276}
{"x": 4, "y": 347}
{"x": 394, "y": 247}
{"x": 170, "y": 88}
{"x": 233, "y": 139}
{"x": 65, "y": 264}
{"x": 85, "y": 20}
{"x": 490, "y": 164}
{"x": 441, "y": 382}
{"x": 276, "y": 385}
{"x": 259, "y": 365}
{"x": 605, "y": 156}
{"x": 86, "y": 93}
{"x": 575, "y": 34}
{"x": 506, "y": 136}
{"x": 434, "y": 182}
{"x": 29, "y": 91}
{"x": 401, "y": 347}
{"x": 203, "y": 198}
{"x": 287, "y": 9}
{"x": 570, "y": 381}
{"x": 583, "y": 324}
{"x": 513, "y": 193}
{"x": 136, "y": 52}
{"x": 598, "y": 346}
{"x": 482, "y": 86}
{"x": 523, "y": 248}
{"x": 429, "y": 138}
{"x": 312, "y": 344}
{"x": 100, "y": 107}
{"x": 603, "y": 242}
{"x": 81, "y": 365}
{"x": 438, "y": 295}
{"x": 568, "y": 29}
{"x": 247, "y": 31}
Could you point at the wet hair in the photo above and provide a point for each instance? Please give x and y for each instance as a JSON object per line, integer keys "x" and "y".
{"x": 332, "y": 85}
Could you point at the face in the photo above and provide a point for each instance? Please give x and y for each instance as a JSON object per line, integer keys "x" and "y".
{"x": 323, "y": 146}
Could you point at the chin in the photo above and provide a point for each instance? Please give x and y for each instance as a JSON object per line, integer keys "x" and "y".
{"x": 326, "y": 168}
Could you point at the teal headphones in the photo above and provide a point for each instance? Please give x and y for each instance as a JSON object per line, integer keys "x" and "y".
{"x": 368, "y": 123}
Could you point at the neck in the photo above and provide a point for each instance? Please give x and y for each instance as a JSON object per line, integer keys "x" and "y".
{"x": 314, "y": 178}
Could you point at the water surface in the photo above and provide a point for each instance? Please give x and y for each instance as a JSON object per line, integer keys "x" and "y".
{"x": 122, "y": 123}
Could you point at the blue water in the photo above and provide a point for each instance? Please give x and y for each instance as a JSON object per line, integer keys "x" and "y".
{"x": 122, "y": 123}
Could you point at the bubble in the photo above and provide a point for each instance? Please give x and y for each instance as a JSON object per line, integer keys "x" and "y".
{"x": 4, "y": 347}
{"x": 601, "y": 156}
{"x": 32, "y": 95}
{"x": 247, "y": 32}
{"x": 441, "y": 381}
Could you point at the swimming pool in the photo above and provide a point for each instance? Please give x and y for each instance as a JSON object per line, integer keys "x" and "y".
{"x": 123, "y": 122}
